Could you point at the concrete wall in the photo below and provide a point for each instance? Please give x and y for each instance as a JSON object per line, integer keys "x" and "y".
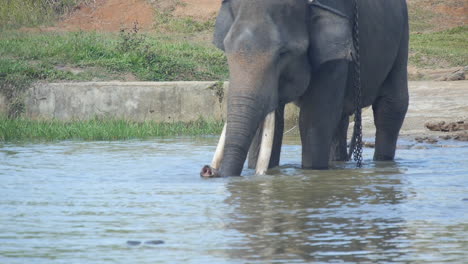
{"x": 138, "y": 101}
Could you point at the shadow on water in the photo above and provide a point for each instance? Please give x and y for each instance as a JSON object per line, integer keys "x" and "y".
{"x": 319, "y": 215}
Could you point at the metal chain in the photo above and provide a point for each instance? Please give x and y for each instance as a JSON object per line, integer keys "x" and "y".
{"x": 356, "y": 148}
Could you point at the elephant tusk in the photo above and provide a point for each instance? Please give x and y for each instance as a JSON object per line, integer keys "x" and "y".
{"x": 218, "y": 156}
{"x": 266, "y": 146}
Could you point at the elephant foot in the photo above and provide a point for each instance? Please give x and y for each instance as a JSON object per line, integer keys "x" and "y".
{"x": 209, "y": 172}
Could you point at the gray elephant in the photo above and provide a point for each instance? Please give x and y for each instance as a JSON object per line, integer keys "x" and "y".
{"x": 302, "y": 51}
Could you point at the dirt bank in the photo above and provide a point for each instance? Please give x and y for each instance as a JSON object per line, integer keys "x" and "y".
{"x": 436, "y": 15}
{"x": 109, "y": 15}
{"x": 112, "y": 15}
{"x": 198, "y": 9}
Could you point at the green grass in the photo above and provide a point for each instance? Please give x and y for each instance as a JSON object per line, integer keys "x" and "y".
{"x": 18, "y": 13}
{"x": 29, "y": 57}
{"x": 166, "y": 22}
{"x": 189, "y": 25}
{"x": 99, "y": 129}
{"x": 438, "y": 49}
{"x": 148, "y": 57}
{"x": 170, "y": 53}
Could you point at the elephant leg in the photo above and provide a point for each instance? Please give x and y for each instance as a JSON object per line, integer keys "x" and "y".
{"x": 388, "y": 119}
{"x": 320, "y": 113}
{"x": 390, "y": 109}
{"x": 277, "y": 142}
{"x": 338, "y": 150}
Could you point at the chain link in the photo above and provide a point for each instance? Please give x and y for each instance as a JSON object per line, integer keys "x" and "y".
{"x": 356, "y": 145}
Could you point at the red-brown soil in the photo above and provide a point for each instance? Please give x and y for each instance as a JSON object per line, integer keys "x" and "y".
{"x": 444, "y": 14}
{"x": 113, "y": 15}
{"x": 198, "y": 9}
{"x": 109, "y": 15}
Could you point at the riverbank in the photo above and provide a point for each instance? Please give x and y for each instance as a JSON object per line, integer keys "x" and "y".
{"x": 63, "y": 43}
{"x": 169, "y": 40}
{"x": 120, "y": 110}
{"x": 133, "y": 55}
{"x": 430, "y": 102}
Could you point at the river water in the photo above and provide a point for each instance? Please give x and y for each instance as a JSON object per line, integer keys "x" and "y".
{"x": 143, "y": 202}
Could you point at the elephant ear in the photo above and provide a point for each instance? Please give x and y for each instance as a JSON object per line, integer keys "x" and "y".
{"x": 330, "y": 32}
{"x": 223, "y": 24}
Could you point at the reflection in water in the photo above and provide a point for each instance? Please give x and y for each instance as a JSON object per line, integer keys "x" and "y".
{"x": 81, "y": 202}
{"x": 320, "y": 216}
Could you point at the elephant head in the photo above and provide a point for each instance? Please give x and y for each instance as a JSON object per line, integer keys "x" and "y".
{"x": 268, "y": 45}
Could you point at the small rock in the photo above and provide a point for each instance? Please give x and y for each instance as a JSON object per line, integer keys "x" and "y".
{"x": 446, "y": 137}
{"x": 435, "y": 126}
{"x": 419, "y": 139}
{"x": 405, "y": 146}
{"x": 461, "y": 136}
{"x": 429, "y": 140}
{"x": 458, "y": 75}
{"x": 154, "y": 242}
{"x": 419, "y": 147}
{"x": 447, "y": 127}
{"x": 133, "y": 243}
{"x": 449, "y": 146}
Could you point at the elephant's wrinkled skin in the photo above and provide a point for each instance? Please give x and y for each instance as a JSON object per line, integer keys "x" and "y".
{"x": 281, "y": 51}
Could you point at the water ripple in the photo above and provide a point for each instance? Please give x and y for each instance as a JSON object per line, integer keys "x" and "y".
{"x": 82, "y": 202}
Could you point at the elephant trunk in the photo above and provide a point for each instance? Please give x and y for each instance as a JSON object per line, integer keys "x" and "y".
{"x": 252, "y": 94}
{"x": 267, "y": 134}
{"x": 243, "y": 120}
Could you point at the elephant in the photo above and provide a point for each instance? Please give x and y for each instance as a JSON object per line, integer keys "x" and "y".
{"x": 305, "y": 51}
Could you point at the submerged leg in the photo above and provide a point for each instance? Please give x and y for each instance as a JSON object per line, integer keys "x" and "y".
{"x": 338, "y": 150}
{"x": 321, "y": 111}
{"x": 390, "y": 109}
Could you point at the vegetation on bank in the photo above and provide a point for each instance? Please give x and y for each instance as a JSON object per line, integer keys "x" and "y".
{"x": 165, "y": 21}
{"x": 86, "y": 56}
{"x": 18, "y": 13}
{"x": 166, "y": 54}
{"x": 78, "y": 55}
{"x": 100, "y": 129}
{"x": 439, "y": 49}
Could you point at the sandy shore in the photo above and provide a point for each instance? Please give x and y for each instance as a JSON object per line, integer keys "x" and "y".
{"x": 430, "y": 101}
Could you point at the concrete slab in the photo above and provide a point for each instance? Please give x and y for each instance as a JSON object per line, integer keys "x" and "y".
{"x": 188, "y": 101}
{"x": 138, "y": 101}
